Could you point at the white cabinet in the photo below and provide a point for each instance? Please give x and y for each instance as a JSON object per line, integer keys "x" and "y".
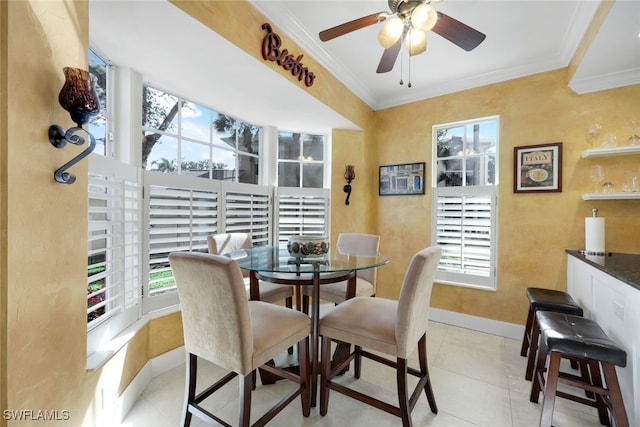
{"x": 627, "y": 150}
{"x": 615, "y": 305}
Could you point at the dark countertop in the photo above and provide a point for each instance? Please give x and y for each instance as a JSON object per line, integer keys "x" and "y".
{"x": 624, "y": 267}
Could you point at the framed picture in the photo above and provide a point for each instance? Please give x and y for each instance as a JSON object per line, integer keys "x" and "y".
{"x": 538, "y": 168}
{"x": 403, "y": 179}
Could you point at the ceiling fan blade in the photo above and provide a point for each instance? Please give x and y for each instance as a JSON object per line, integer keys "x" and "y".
{"x": 389, "y": 57}
{"x": 350, "y": 26}
{"x": 458, "y": 33}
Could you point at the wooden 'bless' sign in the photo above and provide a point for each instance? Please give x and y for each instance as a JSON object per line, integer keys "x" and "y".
{"x": 271, "y": 51}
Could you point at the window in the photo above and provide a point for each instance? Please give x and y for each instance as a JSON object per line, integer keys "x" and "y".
{"x": 98, "y": 125}
{"x": 208, "y": 144}
{"x": 464, "y": 208}
{"x": 300, "y": 160}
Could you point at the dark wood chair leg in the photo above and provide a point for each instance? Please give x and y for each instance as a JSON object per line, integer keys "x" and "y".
{"x": 357, "y": 363}
{"x": 424, "y": 370}
{"x": 288, "y": 302}
{"x": 325, "y": 375}
{"x": 615, "y": 395}
{"x": 550, "y": 388}
{"x": 527, "y": 331}
{"x": 533, "y": 348}
{"x": 303, "y": 361}
{"x": 305, "y": 304}
{"x": 403, "y": 392}
{"x": 245, "y": 400}
{"x": 192, "y": 371}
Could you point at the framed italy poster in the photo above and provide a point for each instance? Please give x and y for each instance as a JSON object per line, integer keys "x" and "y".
{"x": 538, "y": 168}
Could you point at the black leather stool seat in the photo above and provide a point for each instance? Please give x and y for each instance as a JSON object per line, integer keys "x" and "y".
{"x": 553, "y": 300}
{"x": 541, "y": 299}
{"x": 579, "y": 337}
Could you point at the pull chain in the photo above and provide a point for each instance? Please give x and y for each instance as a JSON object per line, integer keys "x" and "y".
{"x": 401, "y": 62}
{"x": 409, "y": 85}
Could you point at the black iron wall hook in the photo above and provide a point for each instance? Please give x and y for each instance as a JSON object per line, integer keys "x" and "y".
{"x": 59, "y": 139}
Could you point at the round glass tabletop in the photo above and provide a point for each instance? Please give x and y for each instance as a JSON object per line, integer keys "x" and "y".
{"x": 276, "y": 259}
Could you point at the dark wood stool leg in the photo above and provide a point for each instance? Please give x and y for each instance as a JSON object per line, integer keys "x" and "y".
{"x": 527, "y": 332}
{"x": 615, "y": 395}
{"x": 550, "y": 388}
{"x": 533, "y": 347}
{"x": 538, "y": 377}
{"x": 595, "y": 379}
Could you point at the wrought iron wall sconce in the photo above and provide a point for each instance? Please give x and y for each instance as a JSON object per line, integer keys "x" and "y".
{"x": 79, "y": 97}
{"x": 349, "y": 175}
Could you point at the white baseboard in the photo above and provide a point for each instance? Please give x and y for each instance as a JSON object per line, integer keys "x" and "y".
{"x": 154, "y": 367}
{"x": 481, "y": 324}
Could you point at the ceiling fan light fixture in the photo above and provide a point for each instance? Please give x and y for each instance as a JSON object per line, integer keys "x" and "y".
{"x": 424, "y": 17}
{"x": 390, "y": 32}
{"x": 416, "y": 41}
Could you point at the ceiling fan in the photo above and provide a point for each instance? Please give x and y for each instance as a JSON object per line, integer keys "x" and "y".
{"x": 409, "y": 20}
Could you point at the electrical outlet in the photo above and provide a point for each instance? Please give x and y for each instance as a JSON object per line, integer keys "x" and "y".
{"x": 618, "y": 310}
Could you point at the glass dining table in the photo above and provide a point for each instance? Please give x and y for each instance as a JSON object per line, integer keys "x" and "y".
{"x": 274, "y": 264}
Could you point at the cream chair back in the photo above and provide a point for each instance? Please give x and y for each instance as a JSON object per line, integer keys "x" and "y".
{"x": 363, "y": 245}
{"x": 413, "y": 305}
{"x": 215, "y": 311}
{"x": 221, "y": 244}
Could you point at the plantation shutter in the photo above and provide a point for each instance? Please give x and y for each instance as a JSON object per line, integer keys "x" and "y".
{"x": 301, "y": 211}
{"x": 113, "y": 249}
{"x": 463, "y": 228}
{"x": 180, "y": 213}
{"x": 246, "y": 210}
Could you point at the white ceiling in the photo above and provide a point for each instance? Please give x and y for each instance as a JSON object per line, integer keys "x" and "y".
{"x": 524, "y": 37}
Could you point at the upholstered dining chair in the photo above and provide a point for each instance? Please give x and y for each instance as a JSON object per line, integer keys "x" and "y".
{"x": 221, "y": 244}
{"x": 393, "y": 328}
{"x": 220, "y": 325}
{"x": 351, "y": 244}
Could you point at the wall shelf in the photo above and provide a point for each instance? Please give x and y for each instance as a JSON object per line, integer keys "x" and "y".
{"x": 611, "y": 196}
{"x": 611, "y": 151}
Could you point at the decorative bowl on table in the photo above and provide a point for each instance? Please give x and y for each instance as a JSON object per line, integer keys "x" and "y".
{"x": 308, "y": 246}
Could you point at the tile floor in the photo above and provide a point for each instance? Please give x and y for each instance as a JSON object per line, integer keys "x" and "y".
{"x": 478, "y": 380}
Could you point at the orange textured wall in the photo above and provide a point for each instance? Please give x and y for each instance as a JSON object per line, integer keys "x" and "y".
{"x": 534, "y": 229}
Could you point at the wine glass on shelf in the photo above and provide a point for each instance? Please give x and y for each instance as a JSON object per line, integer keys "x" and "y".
{"x": 609, "y": 139}
{"x": 593, "y": 133}
{"x": 597, "y": 175}
{"x": 634, "y": 139}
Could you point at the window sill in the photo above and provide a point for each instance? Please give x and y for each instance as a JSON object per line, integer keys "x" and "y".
{"x": 99, "y": 358}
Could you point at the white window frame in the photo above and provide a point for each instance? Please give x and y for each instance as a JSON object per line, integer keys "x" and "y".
{"x": 465, "y": 277}
{"x": 301, "y": 161}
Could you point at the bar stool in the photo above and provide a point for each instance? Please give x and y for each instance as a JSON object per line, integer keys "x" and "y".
{"x": 580, "y": 339}
{"x": 544, "y": 300}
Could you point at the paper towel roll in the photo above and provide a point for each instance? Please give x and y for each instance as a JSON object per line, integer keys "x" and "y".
{"x": 594, "y": 234}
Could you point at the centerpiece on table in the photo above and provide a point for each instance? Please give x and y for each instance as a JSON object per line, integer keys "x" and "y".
{"x": 308, "y": 246}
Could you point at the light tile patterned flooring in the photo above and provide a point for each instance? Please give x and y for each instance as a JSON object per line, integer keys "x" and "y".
{"x": 478, "y": 380}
